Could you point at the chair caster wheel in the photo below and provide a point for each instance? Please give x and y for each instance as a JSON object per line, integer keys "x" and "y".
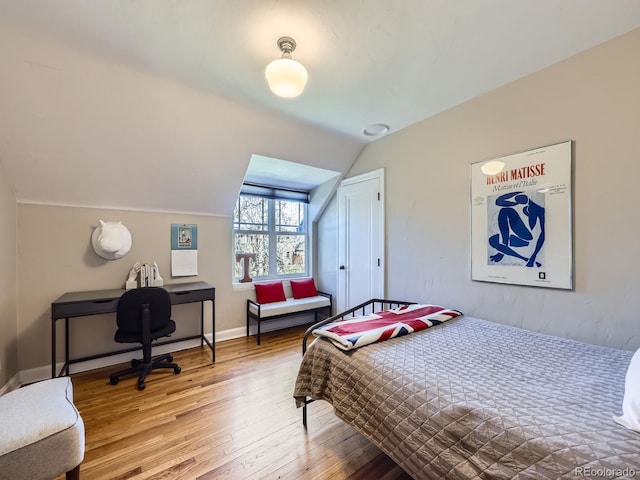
{"x": 176, "y": 370}
{"x": 114, "y": 380}
{"x": 169, "y": 359}
{"x": 136, "y": 362}
{"x": 141, "y": 385}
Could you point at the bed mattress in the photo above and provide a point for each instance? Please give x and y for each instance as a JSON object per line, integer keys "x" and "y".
{"x": 472, "y": 399}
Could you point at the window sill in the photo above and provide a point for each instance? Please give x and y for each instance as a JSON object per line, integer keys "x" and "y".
{"x": 240, "y": 287}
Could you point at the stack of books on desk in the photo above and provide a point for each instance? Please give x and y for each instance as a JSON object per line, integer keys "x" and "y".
{"x": 147, "y": 277}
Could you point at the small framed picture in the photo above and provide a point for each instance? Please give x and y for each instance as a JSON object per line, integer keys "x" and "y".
{"x": 184, "y": 237}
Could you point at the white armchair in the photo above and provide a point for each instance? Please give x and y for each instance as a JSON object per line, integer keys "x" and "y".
{"x": 42, "y": 432}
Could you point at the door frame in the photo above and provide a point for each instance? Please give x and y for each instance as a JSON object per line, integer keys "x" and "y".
{"x": 374, "y": 174}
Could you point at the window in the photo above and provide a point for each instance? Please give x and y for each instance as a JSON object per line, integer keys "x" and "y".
{"x": 276, "y": 231}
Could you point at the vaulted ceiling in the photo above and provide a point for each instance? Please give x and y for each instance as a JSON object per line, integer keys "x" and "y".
{"x": 160, "y": 104}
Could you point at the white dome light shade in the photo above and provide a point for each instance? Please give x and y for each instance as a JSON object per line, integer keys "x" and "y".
{"x": 286, "y": 77}
{"x": 492, "y": 167}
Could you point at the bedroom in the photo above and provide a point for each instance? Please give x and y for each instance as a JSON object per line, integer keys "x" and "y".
{"x": 590, "y": 98}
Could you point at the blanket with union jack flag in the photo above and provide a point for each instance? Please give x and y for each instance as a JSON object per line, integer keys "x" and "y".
{"x": 376, "y": 327}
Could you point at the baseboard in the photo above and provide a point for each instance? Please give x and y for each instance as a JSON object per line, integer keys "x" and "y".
{"x": 41, "y": 373}
{"x": 230, "y": 334}
{"x": 281, "y": 323}
{"x": 267, "y": 326}
{"x": 12, "y": 384}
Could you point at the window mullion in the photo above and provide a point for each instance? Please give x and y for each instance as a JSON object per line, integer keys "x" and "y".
{"x": 273, "y": 264}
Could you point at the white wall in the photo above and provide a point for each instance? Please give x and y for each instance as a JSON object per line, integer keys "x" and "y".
{"x": 327, "y": 249}
{"x": 82, "y": 130}
{"x": 8, "y": 282}
{"x": 55, "y": 256}
{"x": 593, "y": 99}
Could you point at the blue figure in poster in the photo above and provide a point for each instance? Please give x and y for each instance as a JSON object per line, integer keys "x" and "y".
{"x": 517, "y": 229}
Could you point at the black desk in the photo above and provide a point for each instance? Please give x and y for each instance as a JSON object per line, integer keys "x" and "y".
{"x": 82, "y": 304}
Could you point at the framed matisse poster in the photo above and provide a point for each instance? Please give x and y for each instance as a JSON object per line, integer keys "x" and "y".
{"x": 521, "y": 218}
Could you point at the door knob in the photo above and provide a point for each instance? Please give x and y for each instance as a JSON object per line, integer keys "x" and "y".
{"x": 341, "y": 267}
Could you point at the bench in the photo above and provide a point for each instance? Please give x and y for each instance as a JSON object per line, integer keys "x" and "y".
{"x": 320, "y": 303}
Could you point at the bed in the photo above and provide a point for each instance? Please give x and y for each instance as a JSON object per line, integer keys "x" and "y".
{"x": 474, "y": 399}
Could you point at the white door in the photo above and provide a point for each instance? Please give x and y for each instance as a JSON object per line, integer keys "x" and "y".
{"x": 360, "y": 239}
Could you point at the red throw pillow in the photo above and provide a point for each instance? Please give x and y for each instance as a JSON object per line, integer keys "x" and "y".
{"x": 303, "y": 288}
{"x": 269, "y": 292}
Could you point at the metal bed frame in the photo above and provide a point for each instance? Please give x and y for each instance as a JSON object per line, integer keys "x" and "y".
{"x": 383, "y": 304}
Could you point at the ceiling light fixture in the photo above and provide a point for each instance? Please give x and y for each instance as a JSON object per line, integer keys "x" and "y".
{"x": 285, "y": 76}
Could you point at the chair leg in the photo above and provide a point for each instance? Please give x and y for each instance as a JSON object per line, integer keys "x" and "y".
{"x": 143, "y": 369}
{"x": 74, "y": 474}
{"x": 159, "y": 362}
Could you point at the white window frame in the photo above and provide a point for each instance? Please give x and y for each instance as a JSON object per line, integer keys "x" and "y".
{"x": 273, "y": 234}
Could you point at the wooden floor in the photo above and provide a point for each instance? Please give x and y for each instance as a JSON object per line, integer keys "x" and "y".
{"x": 235, "y": 419}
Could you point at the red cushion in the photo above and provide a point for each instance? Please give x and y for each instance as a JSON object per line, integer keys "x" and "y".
{"x": 303, "y": 288}
{"x": 270, "y": 292}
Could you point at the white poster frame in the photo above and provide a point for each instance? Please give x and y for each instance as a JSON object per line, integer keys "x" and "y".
{"x": 522, "y": 219}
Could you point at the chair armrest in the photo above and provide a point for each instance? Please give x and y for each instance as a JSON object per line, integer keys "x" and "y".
{"x": 325, "y": 294}
{"x": 249, "y": 312}
{"x": 330, "y": 297}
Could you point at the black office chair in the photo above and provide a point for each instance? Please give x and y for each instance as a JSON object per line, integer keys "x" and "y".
{"x": 144, "y": 315}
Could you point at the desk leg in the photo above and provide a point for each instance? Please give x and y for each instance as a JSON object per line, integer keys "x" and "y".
{"x": 53, "y": 348}
{"x": 201, "y": 324}
{"x": 203, "y": 339}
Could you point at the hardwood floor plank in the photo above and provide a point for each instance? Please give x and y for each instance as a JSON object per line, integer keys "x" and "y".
{"x": 235, "y": 419}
